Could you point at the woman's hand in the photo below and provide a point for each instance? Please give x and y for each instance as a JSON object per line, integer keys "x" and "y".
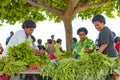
{"x": 87, "y": 50}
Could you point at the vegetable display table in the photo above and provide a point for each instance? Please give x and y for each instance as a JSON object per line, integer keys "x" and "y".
{"x": 18, "y": 77}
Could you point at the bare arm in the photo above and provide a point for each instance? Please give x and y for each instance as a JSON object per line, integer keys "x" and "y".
{"x": 102, "y": 48}
{"x": 62, "y": 50}
{"x": 38, "y": 51}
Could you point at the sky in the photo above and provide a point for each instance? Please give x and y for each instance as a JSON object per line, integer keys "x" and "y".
{"x": 45, "y": 29}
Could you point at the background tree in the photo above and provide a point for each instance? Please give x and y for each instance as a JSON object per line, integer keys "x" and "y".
{"x": 12, "y": 11}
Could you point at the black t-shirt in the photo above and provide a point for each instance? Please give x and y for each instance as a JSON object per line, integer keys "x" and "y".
{"x": 106, "y": 37}
{"x": 41, "y": 47}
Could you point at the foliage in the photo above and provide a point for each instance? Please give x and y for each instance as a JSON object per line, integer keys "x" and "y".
{"x": 115, "y": 66}
{"x": 1, "y": 64}
{"x": 21, "y": 51}
{"x": 19, "y": 10}
{"x": 12, "y": 68}
{"x": 92, "y": 66}
{"x": 19, "y": 58}
{"x": 62, "y": 56}
{"x": 48, "y": 68}
{"x": 40, "y": 10}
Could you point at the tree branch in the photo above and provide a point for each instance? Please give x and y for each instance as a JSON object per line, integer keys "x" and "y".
{"x": 70, "y": 8}
{"x": 51, "y": 9}
{"x": 87, "y": 6}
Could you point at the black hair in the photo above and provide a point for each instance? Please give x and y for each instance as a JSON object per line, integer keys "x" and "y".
{"x": 33, "y": 38}
{"x": 75, "y": 39}
{"x": 11, "y": 32}
{"x": 113, "y": 34}
{"x": 49, "y": 41}
{"x": 28, "y": 24}
{"x": 83, "y": 29}
{"x": 52, "y": 36}
{"x": 117, "y": 39}
{"x": 99, "y": 18}
{"x": 39, "y": 41}
{"x": 59, "y": 40}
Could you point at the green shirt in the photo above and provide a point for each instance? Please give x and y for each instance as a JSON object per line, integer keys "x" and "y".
{"x": 57, "y": 47}
{"x": 88, "y": 43}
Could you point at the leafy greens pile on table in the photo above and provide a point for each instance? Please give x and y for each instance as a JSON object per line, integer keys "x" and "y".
{"x": 94, "y": 66}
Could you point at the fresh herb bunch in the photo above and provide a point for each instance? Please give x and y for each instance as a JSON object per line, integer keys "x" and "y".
{"x": 21, "y": 51}
{"x": 19, "y": 58}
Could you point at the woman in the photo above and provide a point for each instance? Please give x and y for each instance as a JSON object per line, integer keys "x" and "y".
{"x": 105, "y": 41}
{"x": 58, "y": 47}
{"x": 50, "y": 48}
{"x": 22, "y": 35}
{"x": 84, "y": 44}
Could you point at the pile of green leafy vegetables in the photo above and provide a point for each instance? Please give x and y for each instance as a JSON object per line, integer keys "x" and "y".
{"x": 94, "y": 66}
{"x": 19, "y": 58}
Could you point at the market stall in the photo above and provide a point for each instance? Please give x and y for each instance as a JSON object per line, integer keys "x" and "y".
{"x": 21, "y": 60}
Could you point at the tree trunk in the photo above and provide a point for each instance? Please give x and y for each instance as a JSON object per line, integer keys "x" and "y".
{"x": 68, "y": 33}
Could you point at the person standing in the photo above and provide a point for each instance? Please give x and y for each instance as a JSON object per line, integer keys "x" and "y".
{"x": 52, "y": 38}
{"x": 50, "y": 48}
{"x": 106, "y": 38}
{"x": 8, "y": 39}
{"x": 74, "y": 41}
{"x": 58, "y": 46}
{"x": 105, "y": 41}
{"x": 40, "y": 46}
{"x": 22, "y": 35}
{"x": 84, "y": 44}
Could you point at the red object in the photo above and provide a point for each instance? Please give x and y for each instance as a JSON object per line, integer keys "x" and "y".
{"x": 117, "y": 46}
{"x": 4, "y": 77}
{"x": 114, "y": 76}
{"x": 34, "y": 68}
{"x": 52, "y": 56}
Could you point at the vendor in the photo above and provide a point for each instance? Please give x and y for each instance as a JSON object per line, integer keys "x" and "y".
{"x": 85, "y": 44}
{"x": 105, "y": 41}
{"x": 21, "y": 35}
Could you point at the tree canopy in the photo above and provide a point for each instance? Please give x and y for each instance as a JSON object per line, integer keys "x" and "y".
{"x": 39, "y": 10}
{"x": 12, "y": 11}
